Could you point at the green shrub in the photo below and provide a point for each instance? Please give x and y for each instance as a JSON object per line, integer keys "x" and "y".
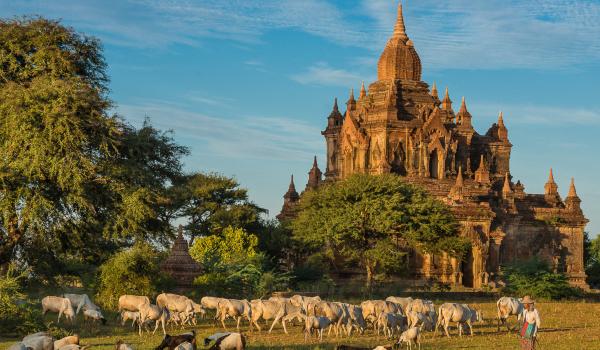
{"x": 18, "y": 315}
{"x": 233, "y": 268}
{"x": 132, "y": 271}
{"x": 534, "y": 277}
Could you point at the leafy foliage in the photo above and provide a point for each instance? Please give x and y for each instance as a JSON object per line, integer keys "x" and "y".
{"x": 534, "y": 277}
{"x": 211, "y": 202}
{"x": 75, "y": 182}
{"x": 18, "y": 316}
{"x": 592, "y": 260}
{"x": 361, "y": 218}
{"x": 233, "y": 266}
{"x": 132, "y": 271}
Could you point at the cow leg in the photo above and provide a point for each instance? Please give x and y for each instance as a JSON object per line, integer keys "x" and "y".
{"x": 223, "y": 322}
{"x": 470, "y": 327}
{"x": 277, "y": 318}
{"x": 59, "y": 315}
{"x": 257, "y": 326}
{"x": 446, "y": 324}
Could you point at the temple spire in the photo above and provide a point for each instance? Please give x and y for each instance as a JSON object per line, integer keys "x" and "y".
{"x": 551, "y": 190}
{"x": 292, "y": 187}
{"x": 434, "y": 90}
{"x": 501, "y": 120}
{"x": 314, "y": 176}
{"x": 363, "y": 91}
{"x": 400, "y": 28}
{"x": 551, "y": 177}
{"x": 572, "y": 191}
{"x": 351, "y": 104}
{"x": 463, "y": 106}
{"x": 335, "y": 105}
{"x": 446, "y": 102}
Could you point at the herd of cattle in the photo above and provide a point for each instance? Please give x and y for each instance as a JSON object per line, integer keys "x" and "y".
{"x": 406, "y": 318}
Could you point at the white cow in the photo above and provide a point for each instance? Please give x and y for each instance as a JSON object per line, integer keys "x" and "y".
{"x": 304, "y": 302}
{"x": 235, "y": 309}
{"x": 149, "y": 312}
{"x": 81, "y": 301}
{"x": 460, "y": 313}
{"x": 39, "y": 341}
{"x": 94, "y": 315}
{"x": 508, "y": 306}
{"x": 226, "y": 341}
{"x": 389, "y": 322}
{"x": 315, "y": 323}
{"x": 401, "y": 302}
{"x": 59, "y": 305}
{"x": 132, "y": 302}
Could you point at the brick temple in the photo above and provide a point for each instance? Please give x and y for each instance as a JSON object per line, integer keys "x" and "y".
{"x": 400, "y": 125}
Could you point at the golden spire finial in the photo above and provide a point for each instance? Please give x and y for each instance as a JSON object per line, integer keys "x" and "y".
{"x": 400, "y": 28}
{"x": 363, "y": 91}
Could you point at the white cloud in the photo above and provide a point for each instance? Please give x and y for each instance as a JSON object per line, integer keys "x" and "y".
{"x": 490, "y": 34}
{"x": 534, "y": 114}
{"x": 323, "y": 74}
{"x": 240, "y": 137}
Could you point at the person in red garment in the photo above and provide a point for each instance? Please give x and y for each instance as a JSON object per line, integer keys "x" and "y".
{"x": 531, "y": 324}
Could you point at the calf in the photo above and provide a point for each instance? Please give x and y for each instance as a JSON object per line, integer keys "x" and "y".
{"x": 410, "y": 335}
{"x": 129, "y": 315}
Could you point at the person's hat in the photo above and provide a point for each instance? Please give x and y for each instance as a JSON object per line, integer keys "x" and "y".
{"x": 527, "y": 300}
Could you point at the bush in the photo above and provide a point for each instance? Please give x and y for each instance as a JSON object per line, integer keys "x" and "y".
{"x": 18, "y": 315}
{"x": 534, "y": 277}
{"x": 233, "y": 266}
{"x": 132, "y": 271}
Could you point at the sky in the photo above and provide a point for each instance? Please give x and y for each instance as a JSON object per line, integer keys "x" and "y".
{"x": 248, "y": 85}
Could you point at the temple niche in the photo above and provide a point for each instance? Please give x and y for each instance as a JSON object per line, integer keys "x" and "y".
{"x": 400, "y": 125}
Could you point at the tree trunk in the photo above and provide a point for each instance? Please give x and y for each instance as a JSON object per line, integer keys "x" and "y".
{"x": 369, "y": 282}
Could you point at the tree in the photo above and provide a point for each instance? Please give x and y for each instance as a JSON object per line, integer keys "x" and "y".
{"x": 592, "y": 260}
{"x": 233, "y": 266}
{"x": 212, "y": 202}
{"x": 361, "y": 218}
{"x": 75, "y": 182}
{"x": 135, "y": 270}
{"x": 534, "y": 277}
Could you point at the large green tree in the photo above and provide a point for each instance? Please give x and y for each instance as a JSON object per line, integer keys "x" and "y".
{"x": 75, "y": 181}
{"x": 211, "y": 202}
{"x": 370, "y": 220}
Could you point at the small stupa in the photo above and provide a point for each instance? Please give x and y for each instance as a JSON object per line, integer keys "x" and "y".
{"x": 180, "y": 265}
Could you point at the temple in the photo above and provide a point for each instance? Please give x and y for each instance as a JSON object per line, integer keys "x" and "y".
{"x": 399, "y": 125}
{"x": 179, "y": 265}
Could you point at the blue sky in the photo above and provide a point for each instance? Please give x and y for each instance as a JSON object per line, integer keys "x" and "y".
{"x": 247, "y": 85}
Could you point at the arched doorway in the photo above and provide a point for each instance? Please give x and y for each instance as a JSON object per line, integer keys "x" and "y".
{"x": 467, "y": 269}
{"x": 434, "y": 165}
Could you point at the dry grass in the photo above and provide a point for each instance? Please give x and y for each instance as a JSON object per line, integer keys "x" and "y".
{"x": 565, "y": 326}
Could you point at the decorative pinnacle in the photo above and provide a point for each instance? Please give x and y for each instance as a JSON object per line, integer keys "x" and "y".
{"x": 400, "y": 28}
{"x": 363, "y": 91}
{"x": 292, "y": 187}
{"x": 551, "y": 177}
{"x": 351, "y": 94}
{"x": 335, "y": 105}
{"x": 481, "y": 163}
{"x": 506, "y": 187}
{"x": 315, "y": 163}
{"x": 572, "y": 191}
{"x": 501, "y": 119}
{"x": 434, "y": 91}
{"x": 463, "y": 106}
{"x": 459, "y": 178}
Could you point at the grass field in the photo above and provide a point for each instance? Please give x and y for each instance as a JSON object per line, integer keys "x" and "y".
{"x": 564, "y": 326}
